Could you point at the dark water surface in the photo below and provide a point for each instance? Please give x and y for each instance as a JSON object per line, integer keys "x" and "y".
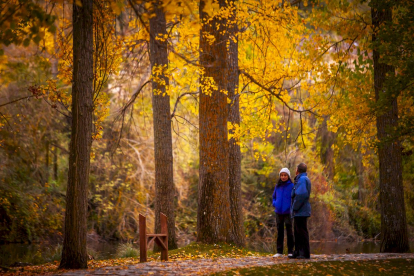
{"x": 327, "y": 247}
{"x": 41, "y": 253}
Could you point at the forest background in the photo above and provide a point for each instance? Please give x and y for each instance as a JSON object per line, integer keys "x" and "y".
{"x": 315, "y": 54}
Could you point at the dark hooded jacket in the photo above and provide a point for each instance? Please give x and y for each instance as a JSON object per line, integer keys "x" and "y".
{"x": 300, "y": 196}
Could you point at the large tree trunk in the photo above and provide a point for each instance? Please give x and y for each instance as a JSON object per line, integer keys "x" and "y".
{"x": 213, "y": 216}
{"x": 74, "y": 253}
{"x": 234, "y": 149}
{"x": 164, "y": 182}
{"x": 394, "y": 236}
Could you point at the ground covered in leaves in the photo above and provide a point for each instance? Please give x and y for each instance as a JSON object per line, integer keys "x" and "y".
{"x": 371, "y": 267}
{"x": 200, "y": 259}
{"x": 192, "y": 251}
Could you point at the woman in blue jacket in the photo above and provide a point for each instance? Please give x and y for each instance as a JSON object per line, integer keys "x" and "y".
{"x": 282, "y": 202}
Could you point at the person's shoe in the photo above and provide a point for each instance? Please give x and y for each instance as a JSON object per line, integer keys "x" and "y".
{"x": 277, "y": 255}
{"x": 302, "y": 257}
{"x": 292, "y": 256}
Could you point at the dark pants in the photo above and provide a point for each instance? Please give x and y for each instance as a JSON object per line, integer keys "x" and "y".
{"x": 302, "y": 237}
{"x": 281, "y": 221}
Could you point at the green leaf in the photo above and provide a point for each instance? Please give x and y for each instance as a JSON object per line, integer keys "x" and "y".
{"x": 52, "y": 29}
{"x": 37, "y": 39}
{"x": 34, "y": 29}
{"x": 26, "y": 42}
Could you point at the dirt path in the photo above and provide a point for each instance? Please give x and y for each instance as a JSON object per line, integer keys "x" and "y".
{"x": 207, "y": 266}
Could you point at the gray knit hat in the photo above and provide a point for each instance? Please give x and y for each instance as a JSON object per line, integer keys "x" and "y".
{"x": 285, "y": 170}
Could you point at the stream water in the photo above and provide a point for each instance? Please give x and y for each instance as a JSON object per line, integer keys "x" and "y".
{"x": 43, "y": 253}
{"x": 40, "y": 253}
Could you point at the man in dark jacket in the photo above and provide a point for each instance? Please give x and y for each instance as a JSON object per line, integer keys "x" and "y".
{"x": 300, "y": 211}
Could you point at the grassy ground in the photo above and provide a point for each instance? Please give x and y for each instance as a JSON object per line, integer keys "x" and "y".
{"x": 380, "y": 267}
{"x": 208, "y": 251}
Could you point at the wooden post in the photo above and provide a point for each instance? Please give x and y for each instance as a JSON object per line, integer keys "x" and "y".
{"x": 164, "y": 230}
{"x": 142, "y": 239}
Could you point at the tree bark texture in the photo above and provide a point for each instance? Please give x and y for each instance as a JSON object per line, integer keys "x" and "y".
{"x": 213, "y": 216}
{"x": 164, "y": 181}
{"x": 237, "y": 229}
{"x": 74, "y": 255}
{"x": 394, "y": 236}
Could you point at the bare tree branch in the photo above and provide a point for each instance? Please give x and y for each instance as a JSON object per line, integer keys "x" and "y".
{"x": 134, "y": 96}
{"x": 7, "y": 121}
{"x": 19, "y": 99}
{"x": 178, "y": 100}
{"x": 277, "y": 95}
{"x": 123, "y": 110}
{"x": 185, "y": 120}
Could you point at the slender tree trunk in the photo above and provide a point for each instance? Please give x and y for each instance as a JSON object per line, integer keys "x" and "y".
{"x": 164, "y": 181}
{"x": 237, "y": 229}
{"x": 47, "y": 162}
{"x": 123, "y": 21}
{"x": 359, "y": 169}
{"x": 55, "y": 60}
{"x": 327, "y": 153}
{"x": 55, "y": 163}
{"x": 394, "y": 236}
{"x": 213, "y": 216}
{"x": 74, "y": 253}
{"x": 55, "y": 71}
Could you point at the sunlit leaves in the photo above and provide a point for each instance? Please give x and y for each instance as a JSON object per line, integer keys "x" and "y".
{"x": 108, "y": 49}
{"x": 23, "y": 21}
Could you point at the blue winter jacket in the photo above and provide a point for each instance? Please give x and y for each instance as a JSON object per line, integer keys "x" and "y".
{"x": 300, "y": 196}
{"x": 282, "y": 197}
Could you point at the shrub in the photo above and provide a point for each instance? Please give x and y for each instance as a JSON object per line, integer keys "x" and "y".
{"x": 126, "y": 250}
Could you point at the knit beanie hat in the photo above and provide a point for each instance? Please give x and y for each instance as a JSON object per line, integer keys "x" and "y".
{"x": 285, "y": 170}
